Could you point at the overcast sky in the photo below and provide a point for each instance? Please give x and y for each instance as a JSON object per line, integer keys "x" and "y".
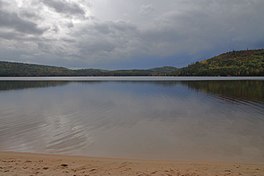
{"x": 116, "y": 34}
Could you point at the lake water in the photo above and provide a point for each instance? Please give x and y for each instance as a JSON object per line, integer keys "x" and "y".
{"x": 218, "y": 119}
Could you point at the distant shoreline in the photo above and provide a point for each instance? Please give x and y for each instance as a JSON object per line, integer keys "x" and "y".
{"x": 46, "y": 164}
{"x": 235, "y": 63}
{"x": 134, "y": 78}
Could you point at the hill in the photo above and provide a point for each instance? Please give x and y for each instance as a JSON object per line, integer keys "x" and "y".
{"x": 235, "y": 63}
{"x": 22, "y": 69}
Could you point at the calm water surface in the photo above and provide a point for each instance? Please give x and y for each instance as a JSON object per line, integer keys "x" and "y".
{"x": 147, "y": 119}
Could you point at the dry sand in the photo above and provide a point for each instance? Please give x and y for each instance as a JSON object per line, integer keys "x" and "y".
{"x": 22, "y": 164}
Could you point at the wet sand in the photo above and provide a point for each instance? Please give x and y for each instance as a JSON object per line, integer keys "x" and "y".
{"x": 25, "y": 164}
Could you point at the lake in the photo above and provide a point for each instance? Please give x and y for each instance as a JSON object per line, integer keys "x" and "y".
{"x": 217, "y": 119}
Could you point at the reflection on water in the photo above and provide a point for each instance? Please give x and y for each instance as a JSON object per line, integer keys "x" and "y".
{"x": 203, "y": 120}
{"x": 14, "y": 85}
{"x": 247, "y": 90}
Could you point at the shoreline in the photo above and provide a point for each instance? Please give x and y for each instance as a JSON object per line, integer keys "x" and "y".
{"x": 134, "y": 78}
{"x": 18, "y": 163}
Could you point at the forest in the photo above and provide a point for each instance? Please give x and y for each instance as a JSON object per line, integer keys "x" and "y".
{"x": 234, "y": 63}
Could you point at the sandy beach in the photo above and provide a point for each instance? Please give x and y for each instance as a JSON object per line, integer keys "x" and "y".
{"x": 26, "y": 164}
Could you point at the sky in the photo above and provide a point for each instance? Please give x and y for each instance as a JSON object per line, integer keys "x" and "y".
{"x": 123, "y": 34}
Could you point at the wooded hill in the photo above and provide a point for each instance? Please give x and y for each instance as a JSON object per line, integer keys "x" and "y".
{"x": 235, "y": 63}
{"x": 21, "y": 69}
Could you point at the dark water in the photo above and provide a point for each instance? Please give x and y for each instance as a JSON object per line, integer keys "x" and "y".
{"x": 178, "y": 120}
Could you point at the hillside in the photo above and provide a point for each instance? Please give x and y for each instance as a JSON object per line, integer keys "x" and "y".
{"x": 21, "y": 69}
{"x": 235, "y": 63}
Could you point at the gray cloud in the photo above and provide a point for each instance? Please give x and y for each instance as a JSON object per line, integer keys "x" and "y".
{"x": 13, "y": 21}
{"x": 65, "y": 7}
{"x": 146, "y": 9}
{"x": 29, "y": 15}
{"x": 107, "y": 39}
